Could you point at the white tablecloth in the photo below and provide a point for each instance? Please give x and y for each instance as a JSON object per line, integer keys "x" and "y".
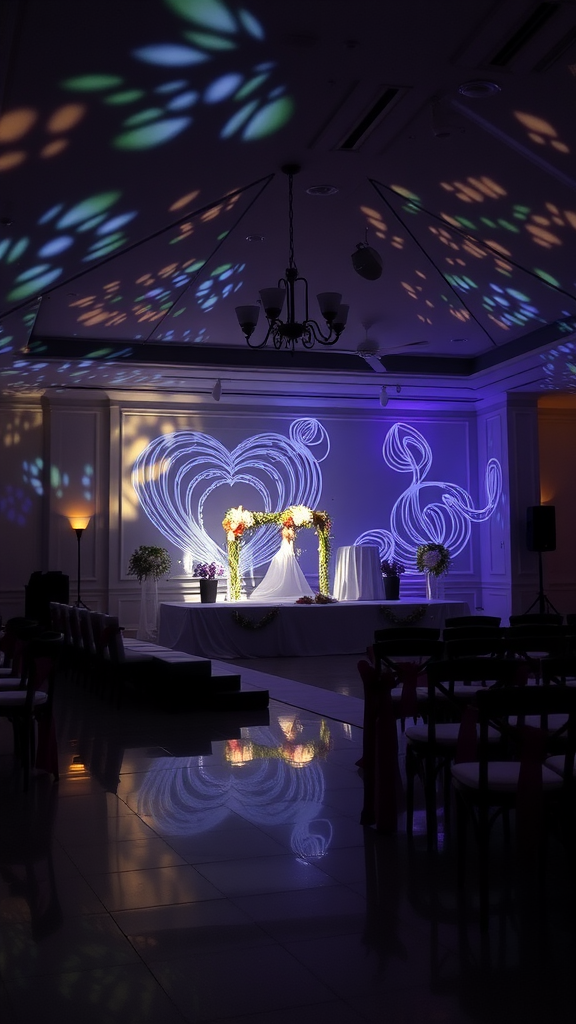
{"x": 358, "y": 576}
{"x": 249, "y": 630}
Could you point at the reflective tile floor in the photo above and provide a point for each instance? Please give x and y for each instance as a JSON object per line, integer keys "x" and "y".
{"x": 210, "y": 868}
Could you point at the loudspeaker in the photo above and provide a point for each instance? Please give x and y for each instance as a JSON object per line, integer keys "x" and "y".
{"x": 541, "y": 528}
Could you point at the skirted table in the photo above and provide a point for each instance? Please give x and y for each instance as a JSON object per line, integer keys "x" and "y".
{"x": 358, "y": 576}
{"x": 250, "y": 630}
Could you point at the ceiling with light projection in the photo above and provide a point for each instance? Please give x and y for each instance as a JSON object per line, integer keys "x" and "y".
{"x": 142, "y": 196}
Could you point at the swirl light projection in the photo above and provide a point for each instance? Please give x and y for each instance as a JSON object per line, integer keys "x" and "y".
{"x": 176, "y": 473}
{"x": 446, "y": 520}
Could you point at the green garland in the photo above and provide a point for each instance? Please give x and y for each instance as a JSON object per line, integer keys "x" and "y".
{"x": 149, "y": 562}
{"x": 408, "y": 620}
{"x": 242, "y": 620}
{"x": 318, "y": 520}
{"x": 442, "y": 564}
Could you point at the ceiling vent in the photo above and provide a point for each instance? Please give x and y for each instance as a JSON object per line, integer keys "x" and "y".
{"x": 371, "y": 118}
{"x": 524, "y": 35}
{"x": 556, "y": 51}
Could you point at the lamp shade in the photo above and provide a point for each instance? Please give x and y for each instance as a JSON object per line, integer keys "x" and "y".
{"x": 79, "y": 522}
{"x": 247, "y": 316}
{"x": 273, "y": 300}
{"x": 329, "y": 303}
{"x": 341, "y": 317}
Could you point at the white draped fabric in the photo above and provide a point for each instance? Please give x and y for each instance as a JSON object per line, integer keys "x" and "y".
{"x": 284, "y": 580}
{"x": 358, "y": 576}
{"x": 241, "y": 630}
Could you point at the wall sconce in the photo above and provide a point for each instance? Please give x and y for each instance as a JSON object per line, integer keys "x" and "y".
{"x": 79, "y": 524}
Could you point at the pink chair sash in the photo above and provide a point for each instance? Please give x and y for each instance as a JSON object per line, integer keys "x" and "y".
{"x": 382, "y": 783}
{"x": 47, "y": 746}
{"x": 408, "y": 673}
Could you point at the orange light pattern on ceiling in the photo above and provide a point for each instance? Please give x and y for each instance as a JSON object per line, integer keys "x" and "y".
{"x": 474, "y": 190}
{"x": 15, "y": 125}
{"x": 97, "y": 313}
{"x": 469, "y": 246}
{"x": 374, "y": 220}
{"x": 416, "y": 292}
{"x": 179, "y": 204}
{"x": 541, "y": 132}
{"x": 540, "y": 226}
{"x": 95, "y": 310}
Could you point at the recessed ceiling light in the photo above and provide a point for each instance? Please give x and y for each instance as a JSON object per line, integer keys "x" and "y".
{"x": 254, "y": 238}
{"x": 322, "y": 190}
{"x": 479, "y": 89}
{"x": 458, "y": 341}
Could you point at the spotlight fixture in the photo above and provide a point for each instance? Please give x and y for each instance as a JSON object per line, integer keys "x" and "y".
{"x": 384, "y": 397}
{"x": 479, "y": 89}
{"x": 290, "y": 331}
{"x": 367, "y": 262}
{"x": 217, "y": 391}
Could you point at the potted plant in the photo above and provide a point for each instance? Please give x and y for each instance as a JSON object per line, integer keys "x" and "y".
{"x": 149, "y": 563}
{"x": 434, "y": 561}
{"x": 208, "y": 573}
{"x": 391, "y": 572}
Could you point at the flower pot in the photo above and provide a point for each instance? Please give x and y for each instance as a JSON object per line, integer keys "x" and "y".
{"x": 392, "y": 588}
{"x": 208, "y": 591}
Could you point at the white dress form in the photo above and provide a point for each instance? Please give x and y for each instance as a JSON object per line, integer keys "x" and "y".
{"x": 284, "y": 580}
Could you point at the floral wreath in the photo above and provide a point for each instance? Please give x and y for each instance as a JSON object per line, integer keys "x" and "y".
{"x": 238, "y": 521}
{"x": 433, "y": 559}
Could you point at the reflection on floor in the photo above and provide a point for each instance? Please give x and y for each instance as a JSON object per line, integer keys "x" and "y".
{"x": 212, "y": 868}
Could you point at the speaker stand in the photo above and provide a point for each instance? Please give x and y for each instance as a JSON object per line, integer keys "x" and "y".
{"x": 544, "y": 604}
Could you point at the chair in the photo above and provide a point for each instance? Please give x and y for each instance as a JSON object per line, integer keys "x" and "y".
{"x": 401, "y": 662}
{"x": 473, "y": 620}
{"x": 519, "y": 781}
{"x": 432, "y": 746}
{"x": 472, "y": 647}
{"x": 31, "y": 703}
{"x": 535, "y": 619}
{"x": 16, "y": 632}
{"x": 561, "y": 670}
{"x": 532, "y": 646}
{"x": 407, "y": 633}
{"x": 379, "y": 762}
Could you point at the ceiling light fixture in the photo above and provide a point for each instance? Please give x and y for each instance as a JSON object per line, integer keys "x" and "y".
{"x": 291, "y": 330}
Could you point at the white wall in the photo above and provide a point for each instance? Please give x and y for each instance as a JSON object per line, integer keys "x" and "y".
{"x": 91, "y": 443}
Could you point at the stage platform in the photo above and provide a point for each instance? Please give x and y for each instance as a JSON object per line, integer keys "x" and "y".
{"x": 245, "y": 629}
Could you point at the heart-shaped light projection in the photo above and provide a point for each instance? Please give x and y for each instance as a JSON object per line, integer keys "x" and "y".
{"x": 176, "y": 473}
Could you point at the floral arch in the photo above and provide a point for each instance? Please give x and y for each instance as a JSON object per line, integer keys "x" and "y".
{"x": 239, "y": 521}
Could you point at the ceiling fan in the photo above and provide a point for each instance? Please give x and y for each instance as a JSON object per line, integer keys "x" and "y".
{"x": 372, "y": 351}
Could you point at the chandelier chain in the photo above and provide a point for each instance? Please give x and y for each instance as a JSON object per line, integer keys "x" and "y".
{"x": 291, "y": 258}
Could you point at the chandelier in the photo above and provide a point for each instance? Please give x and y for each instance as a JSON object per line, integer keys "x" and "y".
{"x": 292, "y": 330}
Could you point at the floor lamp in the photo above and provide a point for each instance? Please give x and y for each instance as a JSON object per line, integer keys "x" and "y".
{"x": 79, "y": 524}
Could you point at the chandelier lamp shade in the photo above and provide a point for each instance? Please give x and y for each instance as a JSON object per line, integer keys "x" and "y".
{"x": 292, "y": 289}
